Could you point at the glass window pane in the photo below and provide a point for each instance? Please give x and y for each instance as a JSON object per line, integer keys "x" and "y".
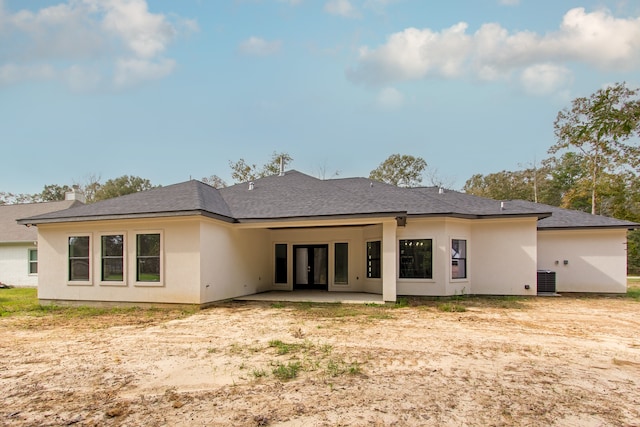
{"x": 281, "y": 263}
{"x": 341, "y": 263}
{"x": 373, "y": 259}
{"x": 416, "y": 259}
{"x": 79, "y": 258}
{"x": 148, "y": 244}
{"x": 112, "y": 245}
{"x": 458, "y": 259}
{"x": 112, "y": 269}
{"x": 33, "y": 261}
{"x": 79, "y": 246}
{"x": 148, "y": 257}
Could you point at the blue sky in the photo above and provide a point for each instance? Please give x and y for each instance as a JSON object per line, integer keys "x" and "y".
{"x": 173, "y": 90}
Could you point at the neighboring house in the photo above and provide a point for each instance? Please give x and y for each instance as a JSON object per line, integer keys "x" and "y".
{"x": 190, "y": 243}
{"x": 18, "y": 244}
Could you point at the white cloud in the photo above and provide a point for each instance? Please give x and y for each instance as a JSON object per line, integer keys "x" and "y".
{"x": 544, "y": 79}
{"x": 597, "y": 39}
{"x": 257, "y": 46}
{"x": 87, "y": 43}
{"x": 390, "y": 98}
{"x": 342, "y": 8}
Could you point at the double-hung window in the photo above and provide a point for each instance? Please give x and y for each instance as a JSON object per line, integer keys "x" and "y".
{"x": 458, "y": 259}
{"x": 79, "y": 259}
{"x": 112, "y": 253}
{"x": 148, "y": 257}
{"x": 416, "y": 259}
{"x": 33, "y": 261}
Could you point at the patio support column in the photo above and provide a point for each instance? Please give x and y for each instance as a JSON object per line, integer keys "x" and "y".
{"x": 389, "y": 257}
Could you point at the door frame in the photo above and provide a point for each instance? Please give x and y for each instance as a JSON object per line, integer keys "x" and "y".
{"x": 310, "y": 284}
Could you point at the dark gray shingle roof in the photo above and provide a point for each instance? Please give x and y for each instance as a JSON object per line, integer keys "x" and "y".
{"x": 565, "y": 218}
{"x": 186, "y": 197}
{"x": 295, "y": 195}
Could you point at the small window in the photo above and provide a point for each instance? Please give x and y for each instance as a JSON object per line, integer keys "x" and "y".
{"x": 416, "y": 259}
{"x": 148, "y": 257}
{"x": 112, "y": 258}
{"x": 33, "y": 261}
{"x": 281, "y": 263}
{"x": 79, "y": 258}
{"x": 373, "y": 260}
{"x": 341, "y": 264}
{"x": 458, "y": 259}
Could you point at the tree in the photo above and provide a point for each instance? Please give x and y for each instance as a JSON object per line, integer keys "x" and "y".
{"x": 400, "y": 170}
{"x": 598, "y": 128}
{"x": 89, "y": 186}
{"x": 505, "y": 185}
{"x": 215, "y": 181}
{"x": 54, "y": 192}
{"x": 122, "y": 186}
{"x": 241, "y": 171}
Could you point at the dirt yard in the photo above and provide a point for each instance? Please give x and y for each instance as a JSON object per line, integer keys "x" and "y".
{"x": 560, "y": 361}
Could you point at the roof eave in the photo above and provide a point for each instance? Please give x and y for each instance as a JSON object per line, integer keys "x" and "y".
{"x": 592, "y": 227}
{"x": 35, "y": 221}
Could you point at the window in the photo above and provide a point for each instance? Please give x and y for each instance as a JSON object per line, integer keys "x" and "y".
{"x": 281, "y": 263}
{"x": 148, "y": 257}
{"x": 112, "y": 258}
{"x": 33, "y": 261}
{"x": 341, "y": 263}
{"x": 79, "y": 258}
{"x": 373, "y": 260}
{"x": 458, "y": 259}
{"x": 416, "y": 259}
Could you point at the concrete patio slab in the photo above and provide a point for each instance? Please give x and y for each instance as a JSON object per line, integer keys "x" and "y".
{"x": 315, "y": 296}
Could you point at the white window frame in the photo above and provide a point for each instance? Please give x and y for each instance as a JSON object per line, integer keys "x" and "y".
{"x": 366, "y": 260}
{"x": 433, "y": 260}
{"x": 30, "y": 261}
{"x": 123, "y": 282}
{"x": 91, "y": 260}
{"x": 341, "y": 242}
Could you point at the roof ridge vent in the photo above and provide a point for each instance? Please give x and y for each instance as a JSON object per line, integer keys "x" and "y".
{"x": 440, "y": 190}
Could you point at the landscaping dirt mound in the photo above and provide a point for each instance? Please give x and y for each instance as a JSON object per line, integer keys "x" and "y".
{"x": 543, "y": 361}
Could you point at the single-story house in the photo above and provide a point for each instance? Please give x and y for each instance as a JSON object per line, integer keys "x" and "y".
{"x": 190, "y": 243}
{"x": 18, "y": 244}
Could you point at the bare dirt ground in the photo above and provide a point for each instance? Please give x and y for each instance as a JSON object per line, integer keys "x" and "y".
{"x": 560, "y": 361}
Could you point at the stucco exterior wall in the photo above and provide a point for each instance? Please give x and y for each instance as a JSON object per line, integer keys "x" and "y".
{"x": 596, "y": 259}
{"x": 235, "y": 262}
{"x": 14, "y": 265}
{"x": 180, "y": 262}
{"x": 503, "y": 256}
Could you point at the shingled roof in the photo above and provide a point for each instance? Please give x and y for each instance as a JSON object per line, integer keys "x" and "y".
{"x": 12, "y": 232}
{"x": 298, "y": 196}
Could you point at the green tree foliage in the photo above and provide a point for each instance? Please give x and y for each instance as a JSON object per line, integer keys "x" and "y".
{"x": 504, "y": 185}
{"x": 598, "y": 128}
{"x": 215, "y": 181}
{"x": 241, "y": 171}
{"x": 121, "y": 186}
{"x": 54, "y": 192}
{"x": 400, "y": 170}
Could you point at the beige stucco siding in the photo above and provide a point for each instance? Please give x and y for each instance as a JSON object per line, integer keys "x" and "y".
{"x": 235, "y": 262}
{"x": 596, "y": 259}
{"x": 503, "y": 256}
{"x": 180, "y": 262}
